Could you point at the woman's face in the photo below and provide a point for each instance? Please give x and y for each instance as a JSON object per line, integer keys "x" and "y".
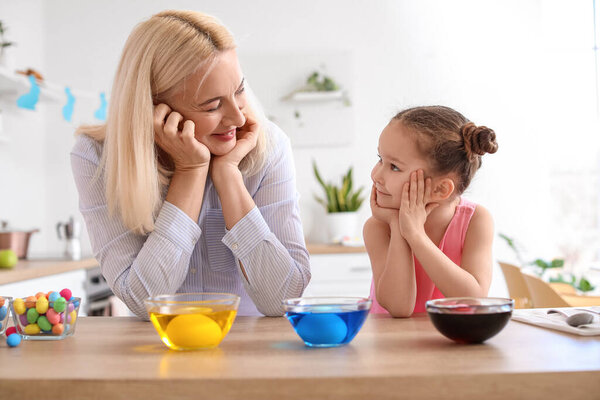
{"x": 214, "y": 99}
{"x": 398, "y": 157}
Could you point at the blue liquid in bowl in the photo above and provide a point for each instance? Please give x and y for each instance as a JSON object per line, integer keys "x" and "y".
{"x": 327, "y": 326}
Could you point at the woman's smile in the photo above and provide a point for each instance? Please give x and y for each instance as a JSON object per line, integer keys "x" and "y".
{"x": 225, "y": 136}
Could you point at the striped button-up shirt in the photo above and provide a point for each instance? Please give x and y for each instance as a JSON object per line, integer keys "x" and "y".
{"x": 182, "y": 255}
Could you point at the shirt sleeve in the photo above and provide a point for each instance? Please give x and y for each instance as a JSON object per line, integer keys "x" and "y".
{"x": 269, "y": 240}
{"x": 135, "y": 266}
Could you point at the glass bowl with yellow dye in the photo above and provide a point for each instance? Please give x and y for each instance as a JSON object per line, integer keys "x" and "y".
{"x": 192, "y": 321}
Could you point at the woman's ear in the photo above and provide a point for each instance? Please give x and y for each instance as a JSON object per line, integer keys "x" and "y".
{"x": 442, "y": 189}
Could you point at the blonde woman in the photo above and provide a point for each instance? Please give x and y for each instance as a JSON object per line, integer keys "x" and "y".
{"x": 186, "y": 188}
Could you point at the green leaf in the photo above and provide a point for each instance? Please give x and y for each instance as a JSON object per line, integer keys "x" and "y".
{"x": 557, "y": 263}
{"x": 585, "y": 285}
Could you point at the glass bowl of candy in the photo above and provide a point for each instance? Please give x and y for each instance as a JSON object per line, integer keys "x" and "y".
{"x": 470, "y": 319}
{"x": 45, "y": 316}
{"x": 327, "y": 321}
{"x": 192, "y": 321}
{"x": 4, "y": 307}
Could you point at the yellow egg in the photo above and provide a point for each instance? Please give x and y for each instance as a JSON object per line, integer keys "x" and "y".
{"x": 194, "y": 331}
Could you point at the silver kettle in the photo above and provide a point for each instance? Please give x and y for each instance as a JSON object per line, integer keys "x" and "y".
{"x": 70, "y": 231}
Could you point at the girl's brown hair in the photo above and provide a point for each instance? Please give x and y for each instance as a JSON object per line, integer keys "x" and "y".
{"x": 449, "y": 141}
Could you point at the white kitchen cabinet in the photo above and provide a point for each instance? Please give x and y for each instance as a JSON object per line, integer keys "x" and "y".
{"x": 73, "y": 280}
{"x": 339, "y": 275}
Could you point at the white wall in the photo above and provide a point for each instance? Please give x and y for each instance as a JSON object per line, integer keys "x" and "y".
{"x": 524, "y": 68}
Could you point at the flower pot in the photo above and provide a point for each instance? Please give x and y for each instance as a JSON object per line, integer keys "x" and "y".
{"x": 341, "y": 225}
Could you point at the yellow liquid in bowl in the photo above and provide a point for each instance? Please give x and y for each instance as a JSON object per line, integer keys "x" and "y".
{"x": 192, "y": 328}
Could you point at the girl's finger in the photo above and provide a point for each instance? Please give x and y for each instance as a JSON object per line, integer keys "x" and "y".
{"x": 405, "y": 202}
{"x": 427, "y": 196}
{"x": 373, "y": 195}
{"x": 413, "y": 188}
{"x": 420, "y": 187}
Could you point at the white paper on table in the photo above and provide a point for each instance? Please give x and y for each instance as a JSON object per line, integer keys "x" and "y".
{"x": 540, "y": 317}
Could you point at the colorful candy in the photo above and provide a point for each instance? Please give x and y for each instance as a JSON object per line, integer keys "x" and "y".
{"x": 45, "y": 313}
{"x": 13, "y": 340}
{"x": 3, "y": 312}
{"x": 10, "y": 331}
{"x": 66, "y": 293}
{"x": 19, "y": 306}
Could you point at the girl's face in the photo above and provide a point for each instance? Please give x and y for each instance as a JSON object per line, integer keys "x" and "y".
{"x": 214, "y": 99}
{"x": 398, "y": 157}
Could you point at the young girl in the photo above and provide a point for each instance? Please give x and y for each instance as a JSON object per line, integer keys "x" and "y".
{"x": 424, "y": 240}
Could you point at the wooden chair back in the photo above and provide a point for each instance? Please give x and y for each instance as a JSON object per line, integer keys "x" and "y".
{"x": 517, "y": 288}
{"x": 542, "y": 294}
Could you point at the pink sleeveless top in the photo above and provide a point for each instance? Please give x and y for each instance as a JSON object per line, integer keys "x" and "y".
{"x": 451, "y": 244}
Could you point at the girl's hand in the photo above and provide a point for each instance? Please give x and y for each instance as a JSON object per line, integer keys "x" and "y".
{"x": 387, "y": 215}
{"x": 246, "y": 138}
{"x": 415, "y": 205}
{"x": 186, "y": 152}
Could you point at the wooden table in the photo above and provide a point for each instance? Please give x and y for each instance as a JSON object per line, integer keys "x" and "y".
{"x": 262, "y": 358}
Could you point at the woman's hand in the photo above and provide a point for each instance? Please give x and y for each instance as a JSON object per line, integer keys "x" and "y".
{"x": 415, "y": 205}
{"x": 387, "y": 215}
{"x": 186, "y": 152}
{"x": 246, "y": 139}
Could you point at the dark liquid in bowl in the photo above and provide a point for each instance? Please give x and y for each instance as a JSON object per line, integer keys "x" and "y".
{"x": 470, "y": 328}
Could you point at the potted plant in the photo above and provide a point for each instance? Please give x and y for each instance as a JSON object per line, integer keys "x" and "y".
{"x": 341, "y": 203}
{"x": 5, "y": 59}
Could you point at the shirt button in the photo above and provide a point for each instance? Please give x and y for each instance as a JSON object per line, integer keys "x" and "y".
{"x": 193, "y": 270}
{"x": 234, "y": 246}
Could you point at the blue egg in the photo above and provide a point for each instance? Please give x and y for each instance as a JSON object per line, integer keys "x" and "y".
{"x": 322, "y": 329}
{"x": 13, "y": 340}
{"x": 3, "y": 312}
{"x": 53, "y": 297}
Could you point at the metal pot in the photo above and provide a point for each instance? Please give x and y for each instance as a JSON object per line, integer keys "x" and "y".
{"x": 15, "y": 239}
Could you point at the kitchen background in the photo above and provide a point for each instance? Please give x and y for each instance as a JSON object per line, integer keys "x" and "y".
{"x": 526, "y": 68}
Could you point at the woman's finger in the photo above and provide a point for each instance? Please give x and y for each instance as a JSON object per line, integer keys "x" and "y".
{"x": 187, "y": 133}
{"x": 160, "y": 113}
{"x": 172, "y": 125}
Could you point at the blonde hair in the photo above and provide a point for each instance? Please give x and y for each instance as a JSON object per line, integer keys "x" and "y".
{"x": 158, "y": 56}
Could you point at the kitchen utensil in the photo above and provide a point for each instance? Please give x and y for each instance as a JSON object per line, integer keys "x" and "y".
{"x": 192, "y": 321}
{"x": 15, "y": 239}
{"x": 70, "y": 231}
{"x": 327, "y": 321}
{"x": 469, "y": 319}
{"x": 575, "y": 320}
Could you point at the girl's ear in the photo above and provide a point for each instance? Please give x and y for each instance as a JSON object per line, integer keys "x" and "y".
{"x": 442, "y": 189}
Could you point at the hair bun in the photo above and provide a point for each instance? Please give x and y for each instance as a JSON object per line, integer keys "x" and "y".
{"x": 478, "y": 139}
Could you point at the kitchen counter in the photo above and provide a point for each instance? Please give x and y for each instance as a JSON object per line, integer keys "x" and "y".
{"x": 31, "y": 269}
{"x": 262, "y": 358}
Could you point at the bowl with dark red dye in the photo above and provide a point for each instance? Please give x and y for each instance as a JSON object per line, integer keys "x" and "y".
{"x": 470, "y": 319}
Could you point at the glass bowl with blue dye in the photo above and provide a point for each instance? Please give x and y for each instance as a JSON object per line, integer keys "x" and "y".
{"x": 327, "y": 321}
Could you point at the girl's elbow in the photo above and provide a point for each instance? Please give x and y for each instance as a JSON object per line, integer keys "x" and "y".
{"x": 400, "y": 312}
